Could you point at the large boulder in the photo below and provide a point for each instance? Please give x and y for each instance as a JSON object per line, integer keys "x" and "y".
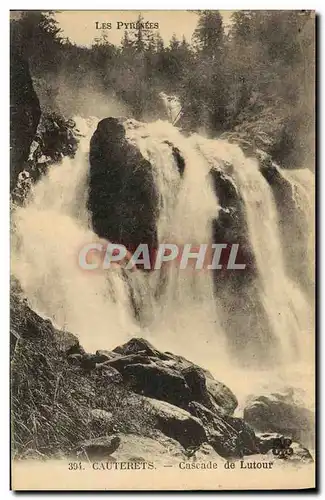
{"x": 177, "y": 423}
{"x": 280, "y": 413}
{"x": 208, "y": 391}
{"x": 123, "y": 198}
{"x": 137, "y": 345}
{"x": 170, "y": 378}
{"x": 158, "y": 381}
{"x": 25, "y": 113}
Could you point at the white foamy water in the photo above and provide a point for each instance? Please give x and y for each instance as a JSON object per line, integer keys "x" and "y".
{"x": 52, "y": 227}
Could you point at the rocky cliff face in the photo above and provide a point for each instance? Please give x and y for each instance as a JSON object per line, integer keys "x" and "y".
{"x": 25, "y": 114}
{"x": 133, "y": 401}
{"x": 123, "y": 199}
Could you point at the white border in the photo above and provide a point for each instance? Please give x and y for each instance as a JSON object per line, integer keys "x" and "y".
{"x": 4, "y": 180}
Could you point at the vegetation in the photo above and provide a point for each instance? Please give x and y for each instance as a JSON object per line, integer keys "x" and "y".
{"x": 52, "y": 401}
{"x": 255, "y": 77}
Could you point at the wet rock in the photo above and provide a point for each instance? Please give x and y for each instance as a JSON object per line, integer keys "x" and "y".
{"x": 137, "y": 345}
{"x": 120, "y": 362}
{"x": 91, "y": 361}
{"x": 158, "y": 381}
{"x": 209, "y": 392}
{"x": 171, "y": 378}
{"x": 180, "y": 162}
{"x": 177, "y": 423}
{"x": 280, "y": 413}
{"x": 137, "y": 449}
{"x": 222, "y": 396}
{"x": 196, "y": 381}
{"x": 268, "y": 441}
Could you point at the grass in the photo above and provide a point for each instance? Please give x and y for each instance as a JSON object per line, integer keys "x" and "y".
{"x": 51, "y": 400}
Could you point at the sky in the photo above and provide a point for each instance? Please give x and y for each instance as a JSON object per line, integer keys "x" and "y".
{"x": 80, "y": 26}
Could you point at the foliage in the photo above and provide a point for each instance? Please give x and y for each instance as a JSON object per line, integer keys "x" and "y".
{"x": 243, "y": 76}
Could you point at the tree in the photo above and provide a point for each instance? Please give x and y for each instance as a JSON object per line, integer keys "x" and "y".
{"x": 209, "y": 34}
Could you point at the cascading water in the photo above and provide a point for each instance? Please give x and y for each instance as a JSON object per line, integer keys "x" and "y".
{"x": 49, "y": 232}
{"x": 51, "y": 228}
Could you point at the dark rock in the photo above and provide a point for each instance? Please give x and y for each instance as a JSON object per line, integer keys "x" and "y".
{"x": 108, "y": 374}
{"x": 177, "y": 157}
{"x": 196, "y": 381}
{"x": 123, "y": 198}
{"x": 120, "y": 362}
{"x": 177, "y": 423}
{"x": 169, "y": 377}
{"x": 230, "y": 437}
{"x": 158, "y": 381}
{"x": 91, "y": 360}
{"x": 247, "y": 442}
{"x": 100, "y": 448}
{"x": 105, "y": 355}
{"x": 278, "y": 413}
{"x": 222, "y": 395}
{"x": 209, "y": 392}
{"x": 25, "y": 113}
{"x": 268, "y": 441}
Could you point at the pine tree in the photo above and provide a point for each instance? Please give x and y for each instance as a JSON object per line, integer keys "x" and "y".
{"x": 208, "y": 37}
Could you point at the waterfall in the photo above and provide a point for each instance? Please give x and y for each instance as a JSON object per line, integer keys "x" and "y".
{"x": 187, "y": 306}
{"x": 286, "y": 306}
{"x": 49, "y": 232}
{"x": 303, "y": 183}
{"x": 180, "y": 311}
{"x": 285, "y": 303}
